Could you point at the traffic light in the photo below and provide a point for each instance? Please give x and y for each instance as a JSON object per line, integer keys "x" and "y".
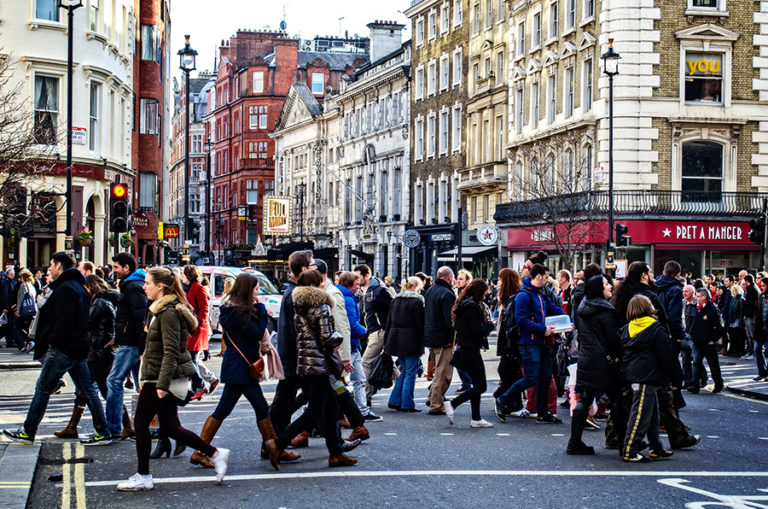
{"x": 621, "y": 234}
{"x": 757, "y": 234}
{"x": 118, "y": 208}
{"x": 193, "y": 229}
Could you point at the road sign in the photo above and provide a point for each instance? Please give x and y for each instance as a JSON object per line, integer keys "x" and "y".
{"x": 442, "y": 237}
{"x": 411, "y": 238}
{"x": 487, "y": 235}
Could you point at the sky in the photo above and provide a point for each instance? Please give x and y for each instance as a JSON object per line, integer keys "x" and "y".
{"x": 208, "y": 25}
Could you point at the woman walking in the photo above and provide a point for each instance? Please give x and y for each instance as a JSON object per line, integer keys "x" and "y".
{"x": 597, "y": 370}
{"x": 26, "y": 309}
{"x": 507, "y": 349}
{"x": 164, "y": 376}
{"x": 244, "y": 321}
{"x": 472, "y": 325}
{"x": 735, "y": 323}
{"x": 198, "y": 339}
{"x": 403, "y": 338}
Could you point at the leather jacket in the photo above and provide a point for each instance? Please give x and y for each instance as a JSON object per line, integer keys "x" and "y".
{"x": 315, "y": 335}
{"x": 101, "y": 325}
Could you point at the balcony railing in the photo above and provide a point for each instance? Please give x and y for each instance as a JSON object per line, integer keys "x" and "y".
{"x": 591, "y": 204}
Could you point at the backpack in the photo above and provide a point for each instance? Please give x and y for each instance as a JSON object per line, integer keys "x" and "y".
{"x": 509, "y": 332}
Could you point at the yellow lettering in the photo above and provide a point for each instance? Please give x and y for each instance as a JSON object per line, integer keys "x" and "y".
{"x": 691, "y": 67}
{"x": 714, "y": 66}
{"x": 703, "y": 66}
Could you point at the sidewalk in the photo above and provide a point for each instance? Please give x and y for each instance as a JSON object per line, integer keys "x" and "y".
{"x": 10, "y": 358}
{"x": 738, "y": 375}
{"x": 17, "y": 470}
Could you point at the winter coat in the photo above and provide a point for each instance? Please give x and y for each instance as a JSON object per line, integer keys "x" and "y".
{"x": 532, "y": 306}
{"x": 64, "y": 318}
{"x": 725, "y": 310}
{"x": 599, "y": 347}
{"x": 472, "y": 328}
{"x": 247, "y": 333}
{"x": 101, "y": 325}
{"x": 286, "y": 332}
{"x": 640, "y": 289}
{"x": 751, "y": 296}
{"x": 198, "y": 299}
{"x": 168, "y": 323}
{"x": 735, "y": 312}
{"x": 356, "y": 329}
{"x": 438, "y": 303}
{"x": 577, "y": 296}
{"x": 131, "y": 311}
{"x": 404, "y": 334}
{"x": 670, "y": 294}
{"x": 707, "y": 326}
{"x": 690, "y": 315}
{"x": 315, "y": 336}
{"x": 374, "y": 306}
{"x": 647, "y": 357}
{"x": 760, "y": 323}
{"x": 340, "y": 320}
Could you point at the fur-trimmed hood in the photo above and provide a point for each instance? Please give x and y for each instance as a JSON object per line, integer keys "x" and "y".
{"x": 310, "y": 296}
{"x": 184, "y": 311}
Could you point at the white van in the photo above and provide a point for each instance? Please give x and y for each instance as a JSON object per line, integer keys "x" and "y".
{"x": 268, "y": 294}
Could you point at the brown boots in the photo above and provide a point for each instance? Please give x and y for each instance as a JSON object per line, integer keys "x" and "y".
{"x": 300, "y": 440}
{"x": 128, "y": 431}
{"x": 341, "y": 460}
{"x": 269, "y": 436}
{"x": 210, "y": 428}
{"x": 360, "y": 432}
{"x": 71, "y": 430}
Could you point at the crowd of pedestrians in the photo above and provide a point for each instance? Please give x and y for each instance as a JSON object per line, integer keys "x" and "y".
{"x": 633, "y": 346}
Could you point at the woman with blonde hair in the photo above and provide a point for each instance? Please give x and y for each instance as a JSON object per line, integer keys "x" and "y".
{"x": 26, "y": 309}
{"x": 164, "y": 376}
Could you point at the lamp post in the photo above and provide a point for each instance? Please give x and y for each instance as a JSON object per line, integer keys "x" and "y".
{"x": 219, "y": 225}
{"x": 302, "y": 188}
{"x": 208, "y": 147}
{"x": 70, "y": 6}
{"x": 611, "y": 69}
{"x": 187, "y": 65}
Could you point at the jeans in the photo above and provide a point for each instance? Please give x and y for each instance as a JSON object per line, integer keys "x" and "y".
{"x": 99, "y": 370}
{"x": 700, "y": 352}
{"x": 55, "y": 365}
{"x": 466, "y": 380}
{"x": 281, "y": 409}
{"x": 197, "y": 379}
{"x": 357, "y": 377}
{"x": 231, "y": 394}
{"x": 476, "y": 370}
{"x": 402, "y": 393}
{"x": 126, "y": 361}
{"x": 537, "y": 370}
{"x": 322, "y": 405}
{"x": 749, "y": 329}
{"x": 762, "y": 369}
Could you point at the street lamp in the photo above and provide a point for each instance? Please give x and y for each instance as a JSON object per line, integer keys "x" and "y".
{"x": 187, "y": 65}
{"x": 302, "y": 188}
{"x": 70, "y": 6}
{"x": 611, "y": 69}
{"x": 208, "y": 148}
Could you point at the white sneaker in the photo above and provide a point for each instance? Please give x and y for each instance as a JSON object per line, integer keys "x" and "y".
{"x": 520, "y": 413}
{"x": 137, "y": 482}
{"x": 482, "y": 423}
{"x": 448, "y": 408}
{"x": 220, "y": 463}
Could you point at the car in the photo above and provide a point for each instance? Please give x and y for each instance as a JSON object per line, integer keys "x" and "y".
{"x": 268, "y": 294}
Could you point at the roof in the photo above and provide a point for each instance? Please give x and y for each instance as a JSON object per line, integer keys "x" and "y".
{"x": 336, "y": 61}
{"x": 307, "y": 98}
{"x": 197, "y": 84}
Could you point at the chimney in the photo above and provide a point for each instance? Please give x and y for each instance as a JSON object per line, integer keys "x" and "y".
{"x": 386, "y": 37}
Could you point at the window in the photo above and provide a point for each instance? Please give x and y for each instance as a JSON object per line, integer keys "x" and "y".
{"x": 553, "y": 29}
{"x": 444, "y": 132}
{"x": 431, "y": 78}
{"x": 252, "y": 192}
{"x": 704, "y": 78}
{"x": 46, "y": 109}
{"x": 488, "y": 68}
{"x": 432, "y": 21}
{"x": 147, "y": 190}
{"x": 499, "y": 138}
{"x": 521, "y": 39}
{"x": 396, "y": 107}
{"x": 536, "y": 30}
{"x": 568, "y": 93}
{"x": 707, "y": 4}
{"x": 108, "y": 20}
{"x": 589, "y": 8}
{"x": 702, "y": 176}
{"x": 262, "y": 117}
{"x": 445, "y": 18}
{"x": 94, "y": 15}
{"x": 534, "y": 105}
{"x": 570, "y": 13}
{"x": 568, "y": 166}
{"x": 444, "y": 72}
{"x": 474, "y": 209}
{"x": 420, "y": 31}
{"x": 149, "y": 123}
{"x": 47, "y": 10}
{"x": 457, "y": 67}
{"x": 551, "y": 98}
{"x": 431, "y": 133}
{"x": 476, "y": 19}
{"x": 197, "y": 143}
{"x": 93, "y": 117}
{"x": 258, "y": 82}
{"x": 456, "y": 122}
{"x": 486, "y": 207}
{"x": 488, "y": 13}
{"x": 500, "y": 68}
{"x": 253, "y": 150}
{"x": 253, "y": 117}
{"x": 519, "y": 111}
{"x": 430, "y": 209}
{"x": 418, "y": 212}
{"x": 586, "y": 104}
{"x": 487, "y": 141}
{"x": 318, "y": 82}
{"x": 476, "y": 72}
{"x": 419, "y": 85}
{"x": 418, "y": 138}
{"x": 269, "y": 187}
{"x": 458, "y": 13}
{"x": 501, "y": 10}
{"x": 397, "y": 190}
{"x": 150, "y": 43}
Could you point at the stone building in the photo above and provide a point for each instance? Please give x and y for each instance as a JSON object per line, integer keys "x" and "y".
{"x": 689, "y": 167}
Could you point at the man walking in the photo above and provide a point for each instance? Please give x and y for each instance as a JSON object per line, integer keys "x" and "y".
{"x": 438, "y": 335}
{"x": 751, "y": 295}
{"x": 129, "y": 338}
{"x": 63, "y": 339}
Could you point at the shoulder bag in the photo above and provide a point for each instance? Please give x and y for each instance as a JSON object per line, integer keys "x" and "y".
{"x": 28, "y": 306}
{"x": 256, "y": 368}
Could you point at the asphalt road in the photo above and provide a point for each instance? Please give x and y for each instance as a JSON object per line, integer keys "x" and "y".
{"x": 413, "y": 460}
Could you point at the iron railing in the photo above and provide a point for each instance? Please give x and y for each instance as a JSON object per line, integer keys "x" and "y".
{"x": 591, "y": 204}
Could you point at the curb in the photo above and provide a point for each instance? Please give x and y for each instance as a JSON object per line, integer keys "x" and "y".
{"x": 752, "y": 394}
{"x": 20, "y": 365}
{"x": 17, "y": 471}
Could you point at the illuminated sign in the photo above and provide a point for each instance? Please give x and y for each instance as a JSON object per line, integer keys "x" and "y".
{"x": 277, "y": 213}
{"x": 171, "y": 231}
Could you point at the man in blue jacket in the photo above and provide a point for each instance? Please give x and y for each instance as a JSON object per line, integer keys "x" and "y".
{"x": 531, "y": 309}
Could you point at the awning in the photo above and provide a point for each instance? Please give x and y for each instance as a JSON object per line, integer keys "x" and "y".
{"x": 467, "y": 253}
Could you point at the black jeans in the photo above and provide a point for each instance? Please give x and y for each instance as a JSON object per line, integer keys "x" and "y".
{"x": 510, "y": 371}
{"x": 231, "y": 395}
{"x": 476, "y": 370}
{"x": 709, "y": 352}
{"x": 581, "y": 412}
{"x": 99, "y": 369}
{"x": 281, "y": 409}
{"x": 322, "y": 405}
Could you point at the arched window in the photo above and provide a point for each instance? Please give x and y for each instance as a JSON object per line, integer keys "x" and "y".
{"x": 702, "y": 177}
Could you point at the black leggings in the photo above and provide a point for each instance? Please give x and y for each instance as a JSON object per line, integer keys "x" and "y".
{"x": 322, "y": 405}
{"x": 167, "y": 415}
{"x": 476, "y": 370}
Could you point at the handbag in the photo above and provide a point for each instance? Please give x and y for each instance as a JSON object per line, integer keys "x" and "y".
{"x": 181, "y": 390}
{"x": 382, "y": 372}
{"x": 28, "y": 307}
{"x": 256, "y": 368}
{"x": 335, "y": 364}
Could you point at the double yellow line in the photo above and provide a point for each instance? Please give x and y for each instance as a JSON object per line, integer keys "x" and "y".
{"x": 67, "y": 477}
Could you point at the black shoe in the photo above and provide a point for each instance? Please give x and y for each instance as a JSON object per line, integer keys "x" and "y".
{"x": 463, "y": 388}
{"x": 436, "y": 412}
{"x": 371, "y": 417}
{"x": 348, "y": 445}
{"x": 393, "y": 407}
{"x": 690, "y": 441}
{"x": 163, "y": 447}
{"x": 59, "y": 385}
{"x": 180, "y": 448}
{"x": 580, "y": 448}
{"x": 718, "y": 388}
{"x": 498, "y": 409}
{"x": 19, "y": 436}
{"x": 410, "y": 410}
{"x": 548, "y": 419}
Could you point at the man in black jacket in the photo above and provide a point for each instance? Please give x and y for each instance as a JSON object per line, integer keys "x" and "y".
{"x": 129, "y": 339}
{"x": 750, "y": 299}
{"x": 439, "y": 335}
{"x": 707, "y": 329}
{"x": 63, "y": 339}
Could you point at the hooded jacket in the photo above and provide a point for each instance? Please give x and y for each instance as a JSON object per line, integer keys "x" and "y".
{"x": 404, "y": 334}
{"x": 286, "y": 332}
{"x": 168, "y": 323}
{"x": 633, "y": 289}
{"x": 472, "y": 328}
{"x": 438, "y": 303}
{"x": 532, "y": 306}
{"x": 647, "y": 357}
{"x": 356, "y": 329}
{"x": 374, "y": 306}
{"x": 131, "y": 311}
{"x": 315, "y": 335}
{"x": 247, "y": 334}
{"x": 670, "y": 292}
{"x": 599, "y": 347}
{"x": 64, "y": 318}
{"x": 101, "y": 325}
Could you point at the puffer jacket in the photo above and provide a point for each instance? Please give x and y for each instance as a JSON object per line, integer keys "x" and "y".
{"x": 315, "y": 336}
{"x": 168, "y": 323}
{"x": 599, "y": 346}
{"x": 404, "y": 334}
{"x": 101, "y": 325}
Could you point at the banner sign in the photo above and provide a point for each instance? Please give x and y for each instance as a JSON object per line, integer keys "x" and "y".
{"x": 277, "y": 213}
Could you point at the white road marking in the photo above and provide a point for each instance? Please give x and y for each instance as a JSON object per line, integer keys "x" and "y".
{"x": 431, "y": 473}
{"x": 447, "y": 434}
{"x": 753, "y": 411}
{"x": 762, "y": 438}
{"x": 558, "y": 434}
{"x": 712, "y": 436}
{"x": 390, "y": 434}
{"x": 714, "y": 409}
{"x": 502, "y": 434}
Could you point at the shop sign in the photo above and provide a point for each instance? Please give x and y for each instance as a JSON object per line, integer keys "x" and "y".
{"x": 171, "y": 231}
{"x": 688, "y": 232}
{"x": 79, "y": 135}
{"x": 442, "y": 237}
{"x": 487, "y": 235}
{"x": 277, "y": 211}
{"x": 140, "y": 221}
{"x": 411, "y": 238}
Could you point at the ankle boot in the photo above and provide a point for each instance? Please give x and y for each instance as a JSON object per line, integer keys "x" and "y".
{"x": 210, "y": 428}
{"x": 127, "y": 426}
{"x": 71, "y": 430}
{"x": 163, "y": 447}
{"x": 180, "y": 448}
{"x": 578, "y": 420}
{"x": 340, "y": 460}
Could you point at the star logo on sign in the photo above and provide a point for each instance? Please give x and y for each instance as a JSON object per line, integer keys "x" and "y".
{"x": 666, "y": 232}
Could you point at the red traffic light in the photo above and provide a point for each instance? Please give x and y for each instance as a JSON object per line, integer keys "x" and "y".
{"x": 119, "y": 191}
